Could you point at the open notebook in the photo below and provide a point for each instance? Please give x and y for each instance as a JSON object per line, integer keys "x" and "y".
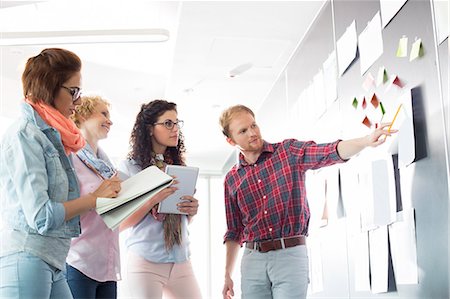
{"x": 134, "y": 193}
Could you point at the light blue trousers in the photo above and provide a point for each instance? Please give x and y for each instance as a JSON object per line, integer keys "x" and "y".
{"x": 278, "y": 274}
{"x": 25, "y": 276}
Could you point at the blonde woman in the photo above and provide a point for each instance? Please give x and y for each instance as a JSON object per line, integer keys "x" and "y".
{"x": 93, "y": 263}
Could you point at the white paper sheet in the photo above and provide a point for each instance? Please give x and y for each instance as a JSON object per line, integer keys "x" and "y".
{"x": 402, "y": 237}
{"x": 315, "y": 188}
{"x": 367, "y": 202}
{"x": 300, "y": 124}
{"x": 330, "y": 78}
{"x": 350, "y": 195}
{"x": 389, "y": 9}
{"x": 442, "y": 20}
{"x": 370, "y": 43}
{"x": 384, "y": 197}
{"x": 406, "y": 137}
{"x": 332, "y": 192}
{"x": 378, "y": 243}
{"x": 346, "y": 48}
{"x": 309, "y": 110}
{"x": 315, "y": 263}
{"x": 319, "y": 94}
{"x": 361, "y": 262}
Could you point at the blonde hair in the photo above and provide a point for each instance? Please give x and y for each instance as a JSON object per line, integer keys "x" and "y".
{"x": 228, "y": 114}
{"x": 87, "y": 108}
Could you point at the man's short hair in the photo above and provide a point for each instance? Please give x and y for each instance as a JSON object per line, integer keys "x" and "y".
{"x": 228, "y": 114}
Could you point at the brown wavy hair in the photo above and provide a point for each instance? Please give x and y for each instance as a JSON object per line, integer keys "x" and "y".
{"x": 142, "y": 153}
{"x": 141, "y": 141}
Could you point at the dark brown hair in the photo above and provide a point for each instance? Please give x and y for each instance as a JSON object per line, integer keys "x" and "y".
{"x": 141, "y": 141}
{"x": 45, "y": 73}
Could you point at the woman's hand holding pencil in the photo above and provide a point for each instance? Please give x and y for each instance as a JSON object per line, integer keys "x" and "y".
{"x": 109, "y": 187}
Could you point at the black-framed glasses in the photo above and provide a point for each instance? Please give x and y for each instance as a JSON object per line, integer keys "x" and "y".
{"x": 170, "y": 124}
{"x": 75, "y": 92}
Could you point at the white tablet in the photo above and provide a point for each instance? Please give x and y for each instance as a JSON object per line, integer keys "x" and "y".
{"x": 187, "y": 179}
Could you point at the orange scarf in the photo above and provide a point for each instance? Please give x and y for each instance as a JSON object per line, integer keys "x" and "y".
{"x": 71, "y": 137}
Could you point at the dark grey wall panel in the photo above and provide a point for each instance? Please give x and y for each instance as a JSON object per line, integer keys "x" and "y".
{"x": 426, "y": 180}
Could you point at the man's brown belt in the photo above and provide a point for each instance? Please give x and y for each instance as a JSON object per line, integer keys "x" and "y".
{"x": 269, "y": 245}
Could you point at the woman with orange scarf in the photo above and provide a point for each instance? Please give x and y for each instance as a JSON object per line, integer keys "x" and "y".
{"x": 40, "y": 200}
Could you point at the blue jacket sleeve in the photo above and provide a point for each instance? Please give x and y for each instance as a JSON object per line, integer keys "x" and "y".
{"x": 27, "y": 167}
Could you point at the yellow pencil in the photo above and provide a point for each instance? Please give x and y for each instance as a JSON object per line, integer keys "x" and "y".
{"x": 393, "y": 120}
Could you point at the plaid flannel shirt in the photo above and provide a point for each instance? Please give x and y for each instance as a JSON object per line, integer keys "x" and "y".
{"x": 267, "y": 200}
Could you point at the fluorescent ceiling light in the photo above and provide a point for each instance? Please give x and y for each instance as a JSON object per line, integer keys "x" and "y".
{"x": 84, "y": 37}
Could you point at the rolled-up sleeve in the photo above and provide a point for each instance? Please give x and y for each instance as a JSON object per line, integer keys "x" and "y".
{"x": 313, "y": 156}
{"x": 233, "y": 216}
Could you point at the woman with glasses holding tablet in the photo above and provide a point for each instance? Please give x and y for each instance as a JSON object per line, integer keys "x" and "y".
{"x": 40, "y": 200}
{"x": 158, "y": 244}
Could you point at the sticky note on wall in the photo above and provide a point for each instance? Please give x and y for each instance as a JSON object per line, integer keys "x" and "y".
{"x": 416, "y": 50}
{"x": 382, "y": 76}
{"x": 402, "y": 50}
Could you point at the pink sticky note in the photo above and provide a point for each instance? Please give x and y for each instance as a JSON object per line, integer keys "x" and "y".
{"x": 369, "y": 82}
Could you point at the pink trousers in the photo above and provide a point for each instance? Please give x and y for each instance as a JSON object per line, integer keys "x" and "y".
{"x": 152, "y": 280}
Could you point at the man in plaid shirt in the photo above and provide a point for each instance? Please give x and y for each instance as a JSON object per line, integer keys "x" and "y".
{"x": 266, "y": 206}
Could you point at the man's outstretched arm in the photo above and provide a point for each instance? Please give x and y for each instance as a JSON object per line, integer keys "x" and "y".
{"x": 348, "y": 148}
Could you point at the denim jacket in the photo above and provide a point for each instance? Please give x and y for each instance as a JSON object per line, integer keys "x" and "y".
{"x": 36, "y": 177}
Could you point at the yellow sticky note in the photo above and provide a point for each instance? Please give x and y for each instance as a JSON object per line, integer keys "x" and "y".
{"x": 416, "y": 49}
{"x": 402, "y": 50}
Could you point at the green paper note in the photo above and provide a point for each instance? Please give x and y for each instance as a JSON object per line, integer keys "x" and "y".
{"x": 355, "y": 103}
{"x": 402, "y": 50}
{"x": 385, "y": 76}
{"x": 382, "y": 108}
{"x": 416, "y": 50}
{"x": 380, "y": 75}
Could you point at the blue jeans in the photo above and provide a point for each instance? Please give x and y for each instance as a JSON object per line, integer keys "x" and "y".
{"x": 84, "y": 287}
{"x": 23, "y": 275}
{"x": 278, "y": 274}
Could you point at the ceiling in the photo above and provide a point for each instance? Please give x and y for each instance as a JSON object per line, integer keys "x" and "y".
{"x": 208, "y": 39}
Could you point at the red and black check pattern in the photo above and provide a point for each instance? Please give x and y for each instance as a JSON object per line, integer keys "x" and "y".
{"x": 267, "y": 200}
